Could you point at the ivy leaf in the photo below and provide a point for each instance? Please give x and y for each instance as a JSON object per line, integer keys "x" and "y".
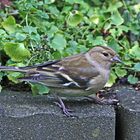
{"x": 132, "y": 79}
{"x": 116, "y": 18}
{"x": 120, "y": 72}
{"x": 16, "y": 51}
{"x": 137, "y": 67}
{"x": 9, "y": 24}
{"x": 39, "y": 89}
{"x": 74, "y": 18}
{"x": 58, "y": 42}
{"x": 112, "y": 79}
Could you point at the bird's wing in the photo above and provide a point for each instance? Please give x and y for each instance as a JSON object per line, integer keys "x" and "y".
{"x": 71, "y": 72}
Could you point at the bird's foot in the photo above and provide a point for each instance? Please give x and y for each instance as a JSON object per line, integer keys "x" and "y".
{"x": 109, "y": 100}
{"x": 65, "y": 110}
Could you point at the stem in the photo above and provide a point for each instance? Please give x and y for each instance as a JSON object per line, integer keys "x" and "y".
{"x": 31, "y": 59}
{"x": 124, "y": 4}
{"x": 26, "y": 20}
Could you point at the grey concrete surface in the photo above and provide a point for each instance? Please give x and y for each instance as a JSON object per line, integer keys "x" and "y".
{"x": 24, "y": 117}
{"x": 128, "y": 114}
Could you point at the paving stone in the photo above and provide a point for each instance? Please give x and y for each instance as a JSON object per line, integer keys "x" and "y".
{"x": 128, "y": 114}
{"x": 24, "y": 117}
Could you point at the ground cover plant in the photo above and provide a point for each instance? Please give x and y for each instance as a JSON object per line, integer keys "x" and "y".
{"x": 35, "y": 31}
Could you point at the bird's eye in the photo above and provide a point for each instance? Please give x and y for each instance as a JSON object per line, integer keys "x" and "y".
{"x": 105, "y": 54}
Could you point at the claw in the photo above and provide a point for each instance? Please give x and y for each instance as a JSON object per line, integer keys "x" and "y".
{"x": 103, "y": 100}
{"x": 65, "y": 110}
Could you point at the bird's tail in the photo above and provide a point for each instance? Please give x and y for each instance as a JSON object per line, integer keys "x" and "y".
{"x": 16, "y": 69}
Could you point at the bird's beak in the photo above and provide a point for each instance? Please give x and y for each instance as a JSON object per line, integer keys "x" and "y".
{"x": 116, "y": 59}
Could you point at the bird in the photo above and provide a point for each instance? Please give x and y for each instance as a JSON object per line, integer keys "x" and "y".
{"x": 78, "y": 75}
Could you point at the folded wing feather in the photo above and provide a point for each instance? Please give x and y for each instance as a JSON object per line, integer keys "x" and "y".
{"x": 63, "y": 73}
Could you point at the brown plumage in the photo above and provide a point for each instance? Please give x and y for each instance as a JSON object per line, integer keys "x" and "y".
{"x": 77, "y": 75}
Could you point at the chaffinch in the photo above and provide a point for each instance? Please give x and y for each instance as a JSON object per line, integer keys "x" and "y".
{"x": 78, "y": 75}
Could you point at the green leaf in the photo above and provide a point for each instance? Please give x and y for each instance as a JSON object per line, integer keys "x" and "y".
{"x": 30, "y": 29}
{"x": 66, "y": 9}
{"x": 114, "y": 45}
{"x": 35, "y": 37}
{"x": 107, "y": 26}
{"x": 20, "y": 36}
{"x": 42, "y": 14}
{"x": 52, "y": 31}
{"x": 9, "y": 24}
{"x": 112, "y": 79}
{"x": 16, "y": 51}
{"x": 54, "y": 10}
{"x": 137, "y": 67}
{"x": 2, "y": 32}
{"x": 82, "y": 48}
{"x": 135, "y": 51}
{"x": 113, "y": 6}
{"x": 73, "y": 47}
{"x": 124, "y": 28}
{"x": 1, "y": 75}
{"x": 74, "y": 18}
{"x": 132, "y": 79}
{"x": 116, "y": 18}
{"x": 49, "y": 1}
{"x": 58, "y": 42}
{"x": 39, "y": 89}
{"x": 13, "y": 76}
{"x": 137, "y": 8}
{"x": 126, "y": 16}
{"x": 120, "y": 72}
{"x": 56, "y": 55}
{"x": 99, "y": 41}
{"x": 95, "y": 19}
{"x": 73, "y": 1}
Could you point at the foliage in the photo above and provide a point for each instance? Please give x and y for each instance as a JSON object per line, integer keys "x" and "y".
{"x": 33, "y": 31}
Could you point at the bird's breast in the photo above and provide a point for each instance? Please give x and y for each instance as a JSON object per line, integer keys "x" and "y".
{"x": 105, "y": 74}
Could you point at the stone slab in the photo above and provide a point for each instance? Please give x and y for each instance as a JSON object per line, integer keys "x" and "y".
{"x": 24, "y": 117}
{"x": 128, "y": 114}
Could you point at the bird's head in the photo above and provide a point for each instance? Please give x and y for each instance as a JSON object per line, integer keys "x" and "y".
{"x": 104, "y": 56}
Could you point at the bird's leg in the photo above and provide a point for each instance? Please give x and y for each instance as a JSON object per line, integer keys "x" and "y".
{"x": 102, "y": 100}
{"x": 65, "y": 110}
